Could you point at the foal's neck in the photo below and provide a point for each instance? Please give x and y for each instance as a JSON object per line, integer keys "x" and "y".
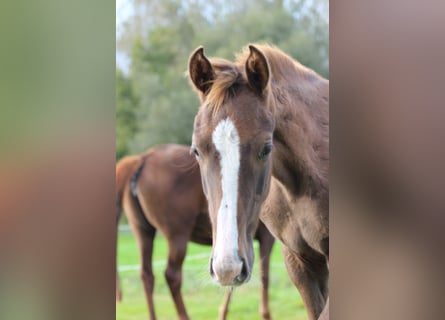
{"x": 301, "y": 145}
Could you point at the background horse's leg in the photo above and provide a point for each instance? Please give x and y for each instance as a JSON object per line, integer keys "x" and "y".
{"x": 224, "y": 308}
{"x": 173, "y": 273}
{"x": 145, "y": 238}
{"x": 118, "y": 285}
{"x": 118, "y": 289}
{"x": 266, "y": 241}
{"x": 310, "y": 280}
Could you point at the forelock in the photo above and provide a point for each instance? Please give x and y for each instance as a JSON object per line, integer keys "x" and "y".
{"x": 228, "y": 77}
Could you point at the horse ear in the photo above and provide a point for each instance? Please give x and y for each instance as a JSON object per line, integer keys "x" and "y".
{"x": 201, "y": 71}
{"x": 257, "y": 70}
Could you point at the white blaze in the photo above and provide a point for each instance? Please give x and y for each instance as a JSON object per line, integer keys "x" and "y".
{"x": 226, "y": 140}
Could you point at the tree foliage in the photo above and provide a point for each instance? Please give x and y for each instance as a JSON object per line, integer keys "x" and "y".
{"x": 155, "y": 103}
{"x": 126, "y": 121}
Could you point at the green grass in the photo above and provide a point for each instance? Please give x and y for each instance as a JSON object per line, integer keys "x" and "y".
{"x": 201, "y": 295}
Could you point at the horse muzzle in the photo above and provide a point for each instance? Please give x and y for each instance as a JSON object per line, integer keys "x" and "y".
{"x": 229, "y": 271}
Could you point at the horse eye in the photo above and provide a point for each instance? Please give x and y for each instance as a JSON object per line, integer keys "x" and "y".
{"x": 265, "y": 152}
{"x": 195, "y": 152}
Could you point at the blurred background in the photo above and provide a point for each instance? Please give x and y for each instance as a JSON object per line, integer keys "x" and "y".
{"x": 154, "y": 39}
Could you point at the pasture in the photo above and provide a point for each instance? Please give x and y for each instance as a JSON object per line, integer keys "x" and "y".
{"x": 201, "y": 295}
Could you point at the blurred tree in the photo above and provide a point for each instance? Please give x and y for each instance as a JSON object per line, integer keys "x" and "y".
{"x": 126, "y": 122}
{"x": 161, "y": 34}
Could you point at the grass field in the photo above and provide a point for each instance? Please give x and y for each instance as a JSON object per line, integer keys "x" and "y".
{"x": 201, "y": 295}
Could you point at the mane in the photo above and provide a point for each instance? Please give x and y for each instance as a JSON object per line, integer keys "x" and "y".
{"x": 229, "y": 75}
{"x": 283, "y": 67}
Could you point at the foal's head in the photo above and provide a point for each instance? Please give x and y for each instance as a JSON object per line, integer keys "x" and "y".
{"x": 232, "y": 140}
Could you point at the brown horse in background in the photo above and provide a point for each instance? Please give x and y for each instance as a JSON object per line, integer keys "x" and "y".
{"x": 161, "y": 190}
{"x": 265, "y": 115}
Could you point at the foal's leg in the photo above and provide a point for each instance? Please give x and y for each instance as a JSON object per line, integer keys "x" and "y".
{"x": 173, "y": 274}
{"x": 224, "y": 309}
{"x": 325, "y": 314}
{"x": 145, "y": 238}
{"x": 266, "y": 241}
{"x": 310, "y": 280}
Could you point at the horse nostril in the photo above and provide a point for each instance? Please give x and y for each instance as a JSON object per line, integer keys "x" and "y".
{"x": 244, "y": 273}
{"x": 212, "y": 273}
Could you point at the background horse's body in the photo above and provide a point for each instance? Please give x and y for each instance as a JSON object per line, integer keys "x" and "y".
{"x": 263, "y": 100}
{"x": 161, "y": 190}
